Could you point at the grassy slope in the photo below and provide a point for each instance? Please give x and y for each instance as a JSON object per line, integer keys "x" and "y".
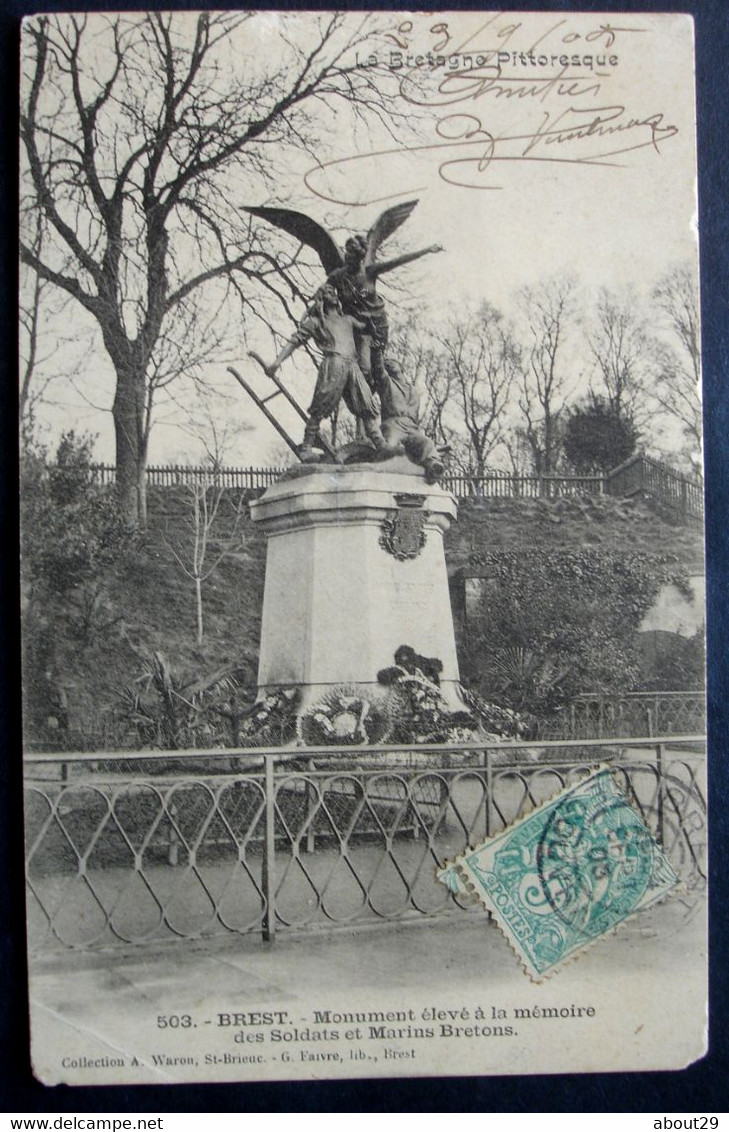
{"x": 618, "y": 525}
{"x": 156, "y": 601}
{"x": 151, "y": 608}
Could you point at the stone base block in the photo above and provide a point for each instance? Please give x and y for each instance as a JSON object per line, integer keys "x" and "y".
{"x": 354, "y": 569}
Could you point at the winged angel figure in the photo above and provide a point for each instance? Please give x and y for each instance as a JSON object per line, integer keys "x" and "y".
{"x": 354, "y": 273}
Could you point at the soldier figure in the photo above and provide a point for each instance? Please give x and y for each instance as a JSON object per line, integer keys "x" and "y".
{"x": 400, "y": 406}
{"x": 356, "y": 285}
{"x": 339, "y": 377}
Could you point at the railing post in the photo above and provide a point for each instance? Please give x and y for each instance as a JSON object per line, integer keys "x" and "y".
{"x": 489, "y": 786}
{"x": 173, "y": 844}
{"x": 660, "y": 804}
{"x": 269, "y": 854}
{"x": 311, "y": 799}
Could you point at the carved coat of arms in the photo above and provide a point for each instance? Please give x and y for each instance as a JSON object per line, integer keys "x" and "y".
{"x": 403, "y": 531}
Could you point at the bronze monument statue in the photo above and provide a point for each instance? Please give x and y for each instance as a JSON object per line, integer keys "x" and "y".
{"x": 400, "y": 408}
{"x": 348, "y": 322}
{"x": 340, "y": 376}
{"x": 354, "y": 273}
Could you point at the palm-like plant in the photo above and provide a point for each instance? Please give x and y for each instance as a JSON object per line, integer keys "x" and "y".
{"x": 530, "y": 679}
{"x": 175, "y": 710}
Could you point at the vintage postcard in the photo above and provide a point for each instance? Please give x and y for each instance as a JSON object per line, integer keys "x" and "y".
{"x": 362, "y": 545}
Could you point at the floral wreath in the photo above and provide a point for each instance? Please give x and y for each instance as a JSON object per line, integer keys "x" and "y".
{"x": 416, "y": 705}
{"x": 421, "y": 715}
{"x": 272, "y": 720}
{"x": 346, "y": 716}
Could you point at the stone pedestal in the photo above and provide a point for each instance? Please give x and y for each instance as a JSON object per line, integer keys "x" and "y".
{"x": 347, "y": 579}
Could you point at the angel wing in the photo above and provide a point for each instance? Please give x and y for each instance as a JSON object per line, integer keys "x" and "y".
{"x": 306, "y": 230}
{"x": 385, "y": 225}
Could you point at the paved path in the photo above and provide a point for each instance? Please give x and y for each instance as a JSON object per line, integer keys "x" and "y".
{"x": 110, "y": 1001}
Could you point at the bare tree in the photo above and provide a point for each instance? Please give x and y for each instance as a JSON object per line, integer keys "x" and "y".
{"x": 30, "y": 324}
{"x": 39, "y": 356}
{"x": 677, "y": 390}
{"x": 550, "y": 313}
{"x": 209, "y": 421}
{"x": 437, "y": 381}
{"x": 466, "y": 369}
{"x": 481, "y": 366}
{"x": 142, "y": 134}
{"x": 202, "y": 547}
{"x": 620, "y": 348}
{"x": 193, "y": 338}
{"x": 517, "y": 450}
{"x": 213, "y": 513}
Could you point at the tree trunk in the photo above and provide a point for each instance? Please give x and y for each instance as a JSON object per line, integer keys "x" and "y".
{"x": 128, "y": 414}
{"x": 142, "y": 485}
{"x": 481, "y": 474}
{"x": 548, "y": 467}
{"x": 199, "y": 609}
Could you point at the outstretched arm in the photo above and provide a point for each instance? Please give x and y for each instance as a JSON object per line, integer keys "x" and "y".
{"x": 285, "y": 353}
{"x": 376, "y": 269}
{"x": 297, "y": 339}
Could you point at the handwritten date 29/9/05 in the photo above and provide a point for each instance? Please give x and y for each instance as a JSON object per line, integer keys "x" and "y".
{"x": 503, "y": 29}
{"x": 468, "y": 151}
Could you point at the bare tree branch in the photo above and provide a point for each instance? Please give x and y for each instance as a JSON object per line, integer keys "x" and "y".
{"x": 619, "y": 345}
{"x": 550, "y": 313}
{"x": 142, "y": 134}
{"x": 677, "y": 389}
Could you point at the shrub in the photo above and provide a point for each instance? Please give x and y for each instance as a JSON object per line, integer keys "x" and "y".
{"x": 72, "y": 532}
{"x": 597, "y": 437}
{"x": 556, "y": 624}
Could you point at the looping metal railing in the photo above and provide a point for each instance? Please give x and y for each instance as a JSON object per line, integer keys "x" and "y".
{"x": 242, "y": 841}
{"x": 601, "y": 715}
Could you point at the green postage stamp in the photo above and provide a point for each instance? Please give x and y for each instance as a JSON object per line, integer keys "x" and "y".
{"x": 568, "y": 873}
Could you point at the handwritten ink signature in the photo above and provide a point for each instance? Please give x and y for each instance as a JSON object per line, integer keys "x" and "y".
{"x": 575, "y": 124}
{"x": 580, "y": 137}
{"x": 490, "y": 79}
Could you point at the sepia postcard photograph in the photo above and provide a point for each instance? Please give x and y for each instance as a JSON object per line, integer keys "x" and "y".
{"x": 362, "y": 582}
